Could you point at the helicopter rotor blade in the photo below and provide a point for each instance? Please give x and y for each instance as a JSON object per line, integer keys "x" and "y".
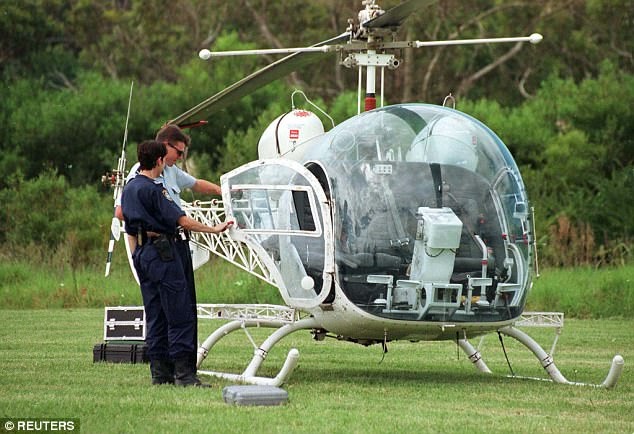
{"x": 394, "y": 17}
{"x": 254, "y": 81}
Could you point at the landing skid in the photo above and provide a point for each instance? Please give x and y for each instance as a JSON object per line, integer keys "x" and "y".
{"x": 241, "y": 318}
{"x": 545, "y": 359}
{"x": 286, "y": 321}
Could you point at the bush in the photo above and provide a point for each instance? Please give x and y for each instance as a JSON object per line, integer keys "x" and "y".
{"x": 574, "y": 144}
{"x": 45, "y": 218}
{"x": 33, "y": 210}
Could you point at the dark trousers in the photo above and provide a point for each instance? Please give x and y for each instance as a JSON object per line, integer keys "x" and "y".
{"x": 185, "y": 254}
{"x": 170, "y": 310}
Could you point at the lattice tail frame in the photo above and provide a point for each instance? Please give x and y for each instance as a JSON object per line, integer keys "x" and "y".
{"x": 212, "y": 213}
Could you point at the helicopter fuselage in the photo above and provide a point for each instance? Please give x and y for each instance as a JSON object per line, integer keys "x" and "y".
{"x": 406, "y": 222}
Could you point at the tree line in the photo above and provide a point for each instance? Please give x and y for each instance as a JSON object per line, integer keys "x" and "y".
{"x": 563, "y": 107}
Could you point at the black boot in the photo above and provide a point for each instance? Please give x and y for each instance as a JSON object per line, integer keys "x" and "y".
{"x": 162, "y": 371}
{"x": 185, "y": 373}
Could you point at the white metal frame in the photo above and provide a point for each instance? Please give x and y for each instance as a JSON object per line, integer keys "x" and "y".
{"x": 241, "y": 317}
{"x": 257, "y": 312}
{"x": 540, "y": 319}
{"x": 223, "y": 244}
{"x": 543, "y": 319}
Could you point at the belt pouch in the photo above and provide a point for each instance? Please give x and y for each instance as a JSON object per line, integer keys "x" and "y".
{"x": 162, "y": 245}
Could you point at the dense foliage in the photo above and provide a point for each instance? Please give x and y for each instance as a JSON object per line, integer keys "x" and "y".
{"x": 574, "y": 143}
{"x": 563, "y": 107}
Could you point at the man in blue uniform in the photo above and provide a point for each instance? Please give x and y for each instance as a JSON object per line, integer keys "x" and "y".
{"x": 175, "y": 180}
{"x": 161, "y": 259}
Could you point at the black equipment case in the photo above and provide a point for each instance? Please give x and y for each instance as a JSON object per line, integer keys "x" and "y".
{"x": 123, "y": 335}
{"x": 124, "y": 323}
{"x": 120, "y": 352}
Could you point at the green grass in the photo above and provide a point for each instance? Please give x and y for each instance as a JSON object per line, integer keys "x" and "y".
{"x": 579, "y": 292}
{"x": 25, "y": 285}
{"x": 585, "y": 292}
{"x": 46, "y": 367}
{"x": 46, "y": 370}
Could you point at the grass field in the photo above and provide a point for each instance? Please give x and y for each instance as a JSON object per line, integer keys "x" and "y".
{"x": 583, "y": 292}
{"x": 46, "y": 371}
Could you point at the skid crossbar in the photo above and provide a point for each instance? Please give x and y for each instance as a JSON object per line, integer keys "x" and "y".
{"x": 541, "y": 319}
{"x": 242, "y": 317}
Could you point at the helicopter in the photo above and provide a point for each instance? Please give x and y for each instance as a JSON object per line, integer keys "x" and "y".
{"x": 405, "y": 222}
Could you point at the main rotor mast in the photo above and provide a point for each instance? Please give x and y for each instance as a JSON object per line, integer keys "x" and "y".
{"x": 365, "y": 43}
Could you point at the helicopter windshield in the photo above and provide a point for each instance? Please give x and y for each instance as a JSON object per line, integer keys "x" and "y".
{"x": 416, "y": 133}
{"x": 431, "y": 218}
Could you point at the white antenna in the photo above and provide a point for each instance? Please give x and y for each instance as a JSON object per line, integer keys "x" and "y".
{"x": 119, "y": 180}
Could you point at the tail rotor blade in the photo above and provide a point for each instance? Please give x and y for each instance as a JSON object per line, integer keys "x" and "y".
{"x": 115, "y": 228}
{"x": 109, "y": 258}
{"x": 115, "y": 234}
{"x": 119, "y": 181}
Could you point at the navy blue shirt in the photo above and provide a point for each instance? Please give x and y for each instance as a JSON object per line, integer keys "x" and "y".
{"x": 148, "y": 206}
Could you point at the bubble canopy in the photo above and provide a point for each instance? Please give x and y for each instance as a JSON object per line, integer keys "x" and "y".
{"x": 421, "y": 215}
{"x": 389, "y": 170}
{"x": 416, "y": 133}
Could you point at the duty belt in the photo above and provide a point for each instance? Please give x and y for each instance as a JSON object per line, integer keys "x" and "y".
{"x": 144, "y": 237}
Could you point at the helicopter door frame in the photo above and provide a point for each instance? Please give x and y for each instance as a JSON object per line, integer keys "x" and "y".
{"x": 513, "y": 259}
{"x": 254, "y": 237}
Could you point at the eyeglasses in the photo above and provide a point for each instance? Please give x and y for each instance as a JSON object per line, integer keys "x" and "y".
{"x": 178, "y": 151}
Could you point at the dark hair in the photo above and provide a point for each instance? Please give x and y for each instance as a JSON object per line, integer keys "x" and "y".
{"x": 172, "y": 134}
{"x": 148, "y": 152}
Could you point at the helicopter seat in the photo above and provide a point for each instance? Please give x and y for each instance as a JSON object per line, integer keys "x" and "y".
{"x": 469, "y": 195}
{"x": 449, "y": 145}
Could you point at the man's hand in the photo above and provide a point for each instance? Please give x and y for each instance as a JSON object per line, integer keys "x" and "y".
{"x": 223, "y": 226}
